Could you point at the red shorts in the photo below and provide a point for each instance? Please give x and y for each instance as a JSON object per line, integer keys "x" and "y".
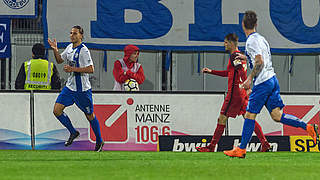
{"x": 234, "y": 106}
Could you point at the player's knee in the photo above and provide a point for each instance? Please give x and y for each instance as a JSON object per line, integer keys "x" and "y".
{"x": 249, "y": 115}
{"x": 222, "y": 119}
{"x": 276, "y": 117}
{"x": 90, "y": 117}
{"x": 221, "y": 122}
{"x": 58, "y": 109}
{"x": 56, "y": 112}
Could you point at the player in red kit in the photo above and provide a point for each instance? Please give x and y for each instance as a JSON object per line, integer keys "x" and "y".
{"x": 236, "y": 100}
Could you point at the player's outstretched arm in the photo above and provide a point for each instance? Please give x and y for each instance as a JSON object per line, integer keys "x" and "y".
{"x": 206, "y": 70}
{"x": 54, "y": 46}
{"x": 215, "y": 72}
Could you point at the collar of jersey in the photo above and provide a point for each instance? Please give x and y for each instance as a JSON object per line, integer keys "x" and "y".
{"x": 77, "y": 46}
{"x": 251, "y": 34}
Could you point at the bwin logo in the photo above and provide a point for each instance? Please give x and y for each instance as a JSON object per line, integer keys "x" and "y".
{"x": 253, "y": 147}
{"x": 16, "y": 4}
{"x": 188, "y": 147}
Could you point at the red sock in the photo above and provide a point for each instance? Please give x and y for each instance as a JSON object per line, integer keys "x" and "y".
{"x": 217, "y": 134}
{"x": 259, "y": 133}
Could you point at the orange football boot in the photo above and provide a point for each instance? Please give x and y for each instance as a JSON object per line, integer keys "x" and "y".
{"x": 236, "y": 152}
{"x": 312, "y": 130}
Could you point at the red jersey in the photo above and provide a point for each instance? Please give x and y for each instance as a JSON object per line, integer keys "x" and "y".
{"x": 236, "y": 73}
{"x": 236, "y": 99}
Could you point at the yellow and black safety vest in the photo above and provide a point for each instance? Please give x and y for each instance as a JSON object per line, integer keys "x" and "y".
{"x": 38, "y": 74}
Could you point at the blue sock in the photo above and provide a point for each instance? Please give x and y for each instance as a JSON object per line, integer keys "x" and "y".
{"x": 247, "y": 130}
{"x": 291, "y": 120}
{"x": 64, "y": 119}
{"x": 96, "y": 129}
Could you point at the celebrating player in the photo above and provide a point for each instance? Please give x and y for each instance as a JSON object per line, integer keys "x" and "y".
{"x": 78, "y": 87}
{"x": 236, "y": 99}
{"x": 266, "y": 90}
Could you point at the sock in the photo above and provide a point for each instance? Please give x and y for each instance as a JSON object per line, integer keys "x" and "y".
{"x": 96, "y": 129}
{"x": 291, "y": 120}
{"x": 247, "y": 130}
{"x": 259, "y": 133}
{"x": 217, "y": 134}
{"x": 65, "y": 121}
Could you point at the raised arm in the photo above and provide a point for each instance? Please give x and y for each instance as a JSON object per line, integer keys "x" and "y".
{"x": 223, "y": 73}
{"x": 54, "y": 46}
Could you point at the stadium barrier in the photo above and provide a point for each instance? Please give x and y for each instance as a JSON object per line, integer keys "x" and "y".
{"x": 278, "y": 143}
{"x": 135, "y": 121}
{"x": 189, "y": 143}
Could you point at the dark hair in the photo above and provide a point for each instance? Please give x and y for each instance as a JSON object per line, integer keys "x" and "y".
{"x": 249, "y": 19}
{"x": 79, "y": 28}
{"x": 232, "y": 37}
{"x": 38, "y": 51}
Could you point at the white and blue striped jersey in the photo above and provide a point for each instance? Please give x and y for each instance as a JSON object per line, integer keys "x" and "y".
{"x": 257, "y": 45}
{"x": 78, "y": 57}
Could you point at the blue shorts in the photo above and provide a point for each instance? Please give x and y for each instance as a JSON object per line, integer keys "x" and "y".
{"x": 266, "y": 93}
{"x": 82, "y": 99}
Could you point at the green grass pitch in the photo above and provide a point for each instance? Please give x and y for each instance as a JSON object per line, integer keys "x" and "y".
{"x": 76, "y": 165}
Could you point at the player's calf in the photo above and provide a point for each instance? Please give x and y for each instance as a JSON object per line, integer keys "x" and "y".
{"x": 265, "y": 147}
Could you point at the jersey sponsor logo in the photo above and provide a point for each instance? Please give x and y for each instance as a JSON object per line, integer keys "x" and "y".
{"x": 237, "y": 62}
{"x": 76, "y": 55}
{"x": 16, "y": 4}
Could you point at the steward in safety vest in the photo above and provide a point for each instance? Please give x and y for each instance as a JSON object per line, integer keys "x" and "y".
{"x": 38, "y": 73}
